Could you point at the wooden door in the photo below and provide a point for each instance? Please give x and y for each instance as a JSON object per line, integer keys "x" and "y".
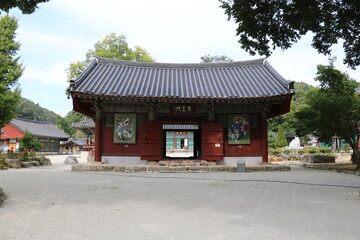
{"x": 151, "y": 141}
{"x": 212, "y": 141}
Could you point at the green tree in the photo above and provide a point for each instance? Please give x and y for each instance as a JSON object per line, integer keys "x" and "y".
{"x": 215, "y": 59}
{"x": 65, "y": 126}
{"x": 25, "y": 6}
{"x": 10, "y": 69}
{"x": 112, "y": 46}
{"x": 28, "y": 143}
{"x": 27, "y": 109}
{"x": 65, "y": 123}
{"x": 281, "y": 138}
{"x": 287, "y": 121}
{"x": 266, "y": 25}
{"x": 332, "y": 110}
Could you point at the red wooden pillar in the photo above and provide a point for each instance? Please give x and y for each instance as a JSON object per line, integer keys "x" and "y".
{"x": 98, "y": 136}
{"x": 265, "y": 153}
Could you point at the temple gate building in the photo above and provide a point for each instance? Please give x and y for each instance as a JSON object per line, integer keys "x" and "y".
{"x": 154, "y": 111}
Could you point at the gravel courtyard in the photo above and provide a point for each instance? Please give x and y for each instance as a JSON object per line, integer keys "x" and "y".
{"x": 53, "y": 203}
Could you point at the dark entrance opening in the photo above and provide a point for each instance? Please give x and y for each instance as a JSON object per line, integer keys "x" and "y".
{"x": 181, "y": 141}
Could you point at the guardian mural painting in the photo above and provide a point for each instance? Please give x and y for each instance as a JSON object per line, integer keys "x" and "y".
{"x": 239, "y": 129}
{"x": 125, "y": 128}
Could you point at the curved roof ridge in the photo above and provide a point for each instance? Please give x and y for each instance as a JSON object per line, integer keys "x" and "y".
{"x": 101, "y": 60}
{"x": 32, "y": 121}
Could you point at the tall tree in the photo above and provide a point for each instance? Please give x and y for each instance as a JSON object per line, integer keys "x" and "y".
{"x": 112, "y": 46}
{"x": 65, "y": 123}
{"x": 10, "y": 69}
{"x": 287, "y": 121}
{"x": 332, "y": 110}
{"x": 26, "y": 6}
{"x": 266, "y": 25}
{"x": 281, "y": 138}
{"x": 215, "y": 59}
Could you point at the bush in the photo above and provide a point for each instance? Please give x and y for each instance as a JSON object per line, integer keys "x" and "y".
{"x": 313, "y": 150}
{"x": 325, "y": 150}
{"x": 281, "y": 138}
{"x": 4, "y": 164}
{"x": 275, "y": 151}
{"x": 293, "y": 158}
{"x": 287, "y": 151}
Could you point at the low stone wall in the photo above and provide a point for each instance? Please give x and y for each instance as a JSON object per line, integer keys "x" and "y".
{"x": 150, "y": 168}
{"x": 166, "y": 169}
{"x": 317, "y": 159}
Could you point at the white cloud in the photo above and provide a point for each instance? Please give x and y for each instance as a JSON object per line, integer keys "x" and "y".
{"x": 54, "y": 74}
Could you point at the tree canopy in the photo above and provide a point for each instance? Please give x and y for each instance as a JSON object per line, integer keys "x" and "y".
{"x": 215, "y": 59}
{"x": 266, "y": 25}
{"x": 28, "y": 143}
{"x": 27, "y": 109}
{"x": 26, "y": 6}
{"x": 287, "y": 121}
{"x": 10, "y": 69}
{"x": 332, "y": 110}
{"x": 112, "y": 46}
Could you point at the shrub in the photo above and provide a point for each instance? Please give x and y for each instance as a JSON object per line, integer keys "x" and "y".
{"x": 287, "y": 151}
{"x": 293, "y": 158}
{"x": 281, "y": 138}
{"x": 313, "y": 150}
{"x": 275, "y": 151}
{"x": 325, "y": 150}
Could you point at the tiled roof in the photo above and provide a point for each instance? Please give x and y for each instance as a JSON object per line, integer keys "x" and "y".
{"x": 86, "y": 123}
{"x": 76, "y": 141}
{"x": 235, "y": 80}
{"x": 38, "y": 128}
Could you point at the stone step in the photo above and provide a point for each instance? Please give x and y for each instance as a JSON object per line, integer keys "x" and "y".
{"x": 185, "y": 163}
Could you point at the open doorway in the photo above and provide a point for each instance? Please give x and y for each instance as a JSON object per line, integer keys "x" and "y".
{"x": 181, "y": 143}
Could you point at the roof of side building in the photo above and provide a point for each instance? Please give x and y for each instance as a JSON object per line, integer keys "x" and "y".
{"x": 38, "y": 128}
{"x": 234, "y": 80}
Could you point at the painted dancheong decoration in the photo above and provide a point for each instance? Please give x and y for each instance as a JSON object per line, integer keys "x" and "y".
{"x": 125, "y": 128}
{"x": 239, "y": 130}
{"x": 229, "y": 103}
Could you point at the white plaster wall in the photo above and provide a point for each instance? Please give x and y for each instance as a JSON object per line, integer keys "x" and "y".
{"x": 247, "y": 160}
{"x": 123, "y": 160}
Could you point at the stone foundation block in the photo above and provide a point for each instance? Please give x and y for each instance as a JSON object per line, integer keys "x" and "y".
{"x": 317, "y": 159}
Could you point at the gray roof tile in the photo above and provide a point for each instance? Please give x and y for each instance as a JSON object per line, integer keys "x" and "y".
{"x": 118, "y": 78}
{"x": 38, "y": 128}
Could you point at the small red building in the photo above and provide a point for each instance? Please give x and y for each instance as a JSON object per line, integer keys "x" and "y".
{"x": 44, "y": 132}
{"x": 153, "y": 111}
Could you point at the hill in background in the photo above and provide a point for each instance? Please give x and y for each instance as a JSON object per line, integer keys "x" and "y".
{"x": 27, "y": 109}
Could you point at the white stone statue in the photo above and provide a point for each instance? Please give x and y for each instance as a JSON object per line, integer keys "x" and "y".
{"x": 295, "y": 144}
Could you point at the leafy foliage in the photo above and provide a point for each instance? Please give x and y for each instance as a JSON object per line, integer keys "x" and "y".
{"x": 332, "y": 110}
{"x": 26, "y": 6}
{"x": 263, "y": 25}
{"x": 28, "y": 143}
{"x": 10, "y": 69}
{"x": 112, "y": 46}
{"x": 281, "y": 138}
{"x": 287, "y": 121}
{"x": 27, "y": 109}
{"x": 215, "y": 59}
{"x": 66, "y": 122}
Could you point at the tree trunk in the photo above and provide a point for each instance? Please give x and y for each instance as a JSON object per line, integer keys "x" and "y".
{"x": 355, "y": 158}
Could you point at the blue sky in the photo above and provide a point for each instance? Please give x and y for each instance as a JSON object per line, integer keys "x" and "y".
{"x": 61, "y": 31}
